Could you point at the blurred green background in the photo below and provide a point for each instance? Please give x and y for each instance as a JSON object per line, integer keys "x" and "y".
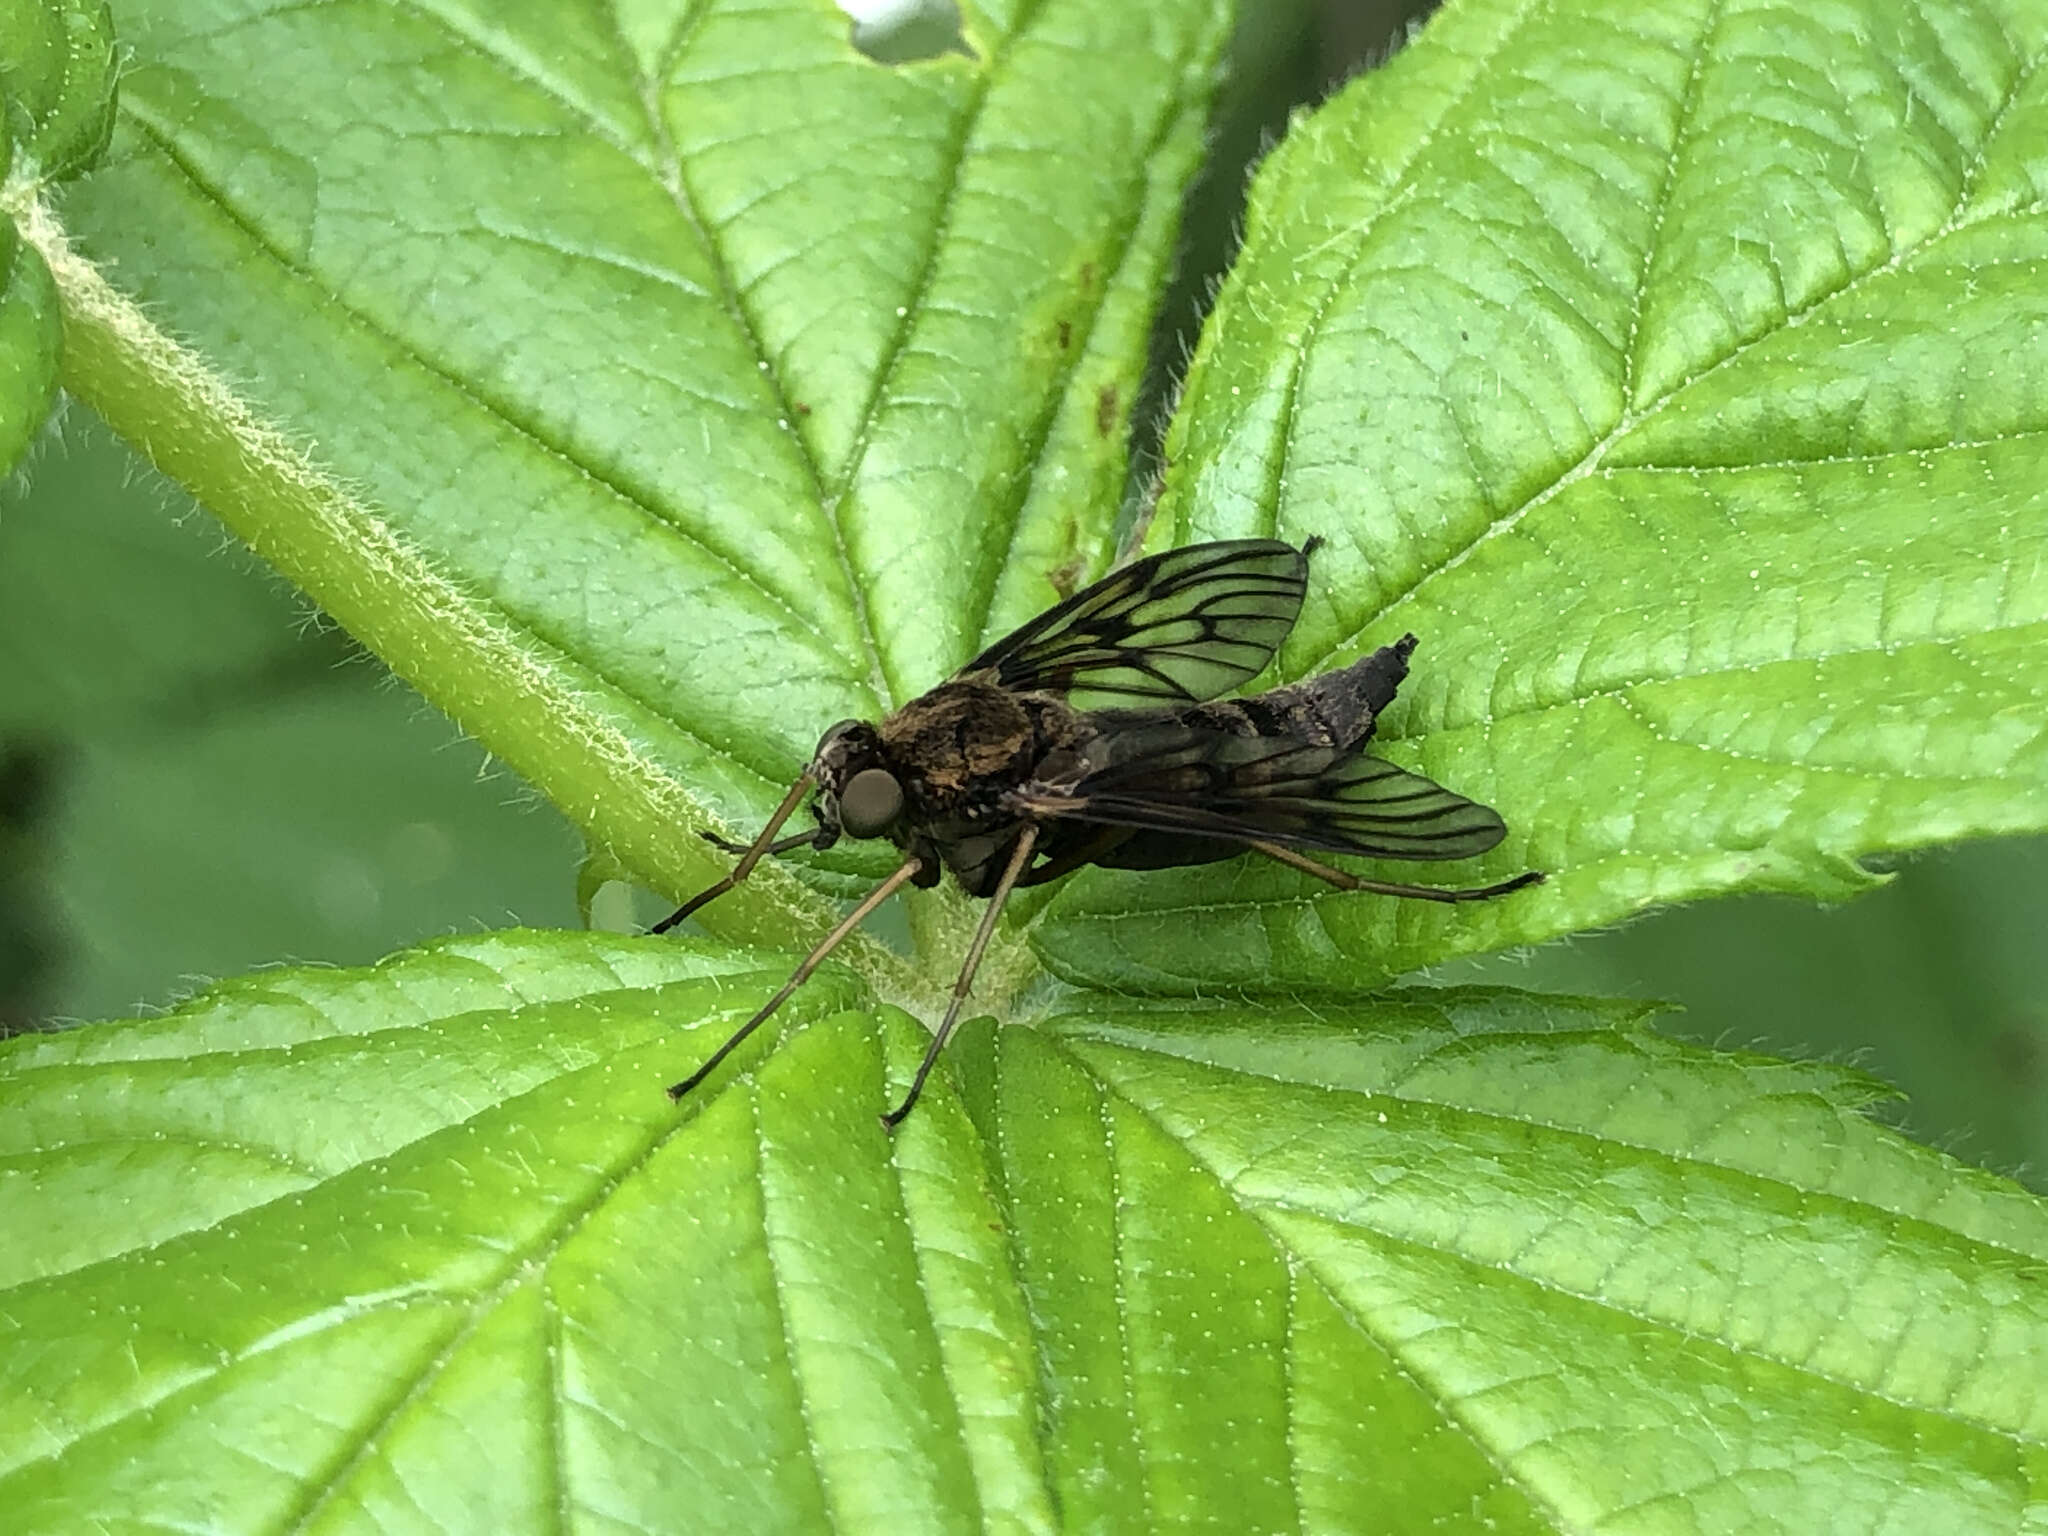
{"x": 199, "y": 778}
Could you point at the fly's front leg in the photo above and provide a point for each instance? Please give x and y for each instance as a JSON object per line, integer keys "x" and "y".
{"x": 760, "y": 848}
{"x": 819, "y": 837}
{"x": 881, "y": 893}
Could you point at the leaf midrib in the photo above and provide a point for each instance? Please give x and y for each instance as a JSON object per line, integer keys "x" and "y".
{"x": 674, "y": 179}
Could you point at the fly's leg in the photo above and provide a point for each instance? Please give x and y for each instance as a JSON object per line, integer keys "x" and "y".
{"x": 759, "y": 849}
{"x": 1102, "y": 842}
{"x": 776, "y": 849}
{"x": 1349, "y": 882}
{"x": 830, "y": 942}
{"x": 781, "y": 845}
{"x": 1019, "y": 857}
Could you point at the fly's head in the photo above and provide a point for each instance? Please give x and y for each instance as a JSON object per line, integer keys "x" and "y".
{"x": 858, "y": 793}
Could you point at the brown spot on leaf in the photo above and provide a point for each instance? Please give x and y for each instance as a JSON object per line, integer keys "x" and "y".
{"x": 1106, "y": 400}
{"x": 1066, "y": 578}
{"x": 1066, "y": 334}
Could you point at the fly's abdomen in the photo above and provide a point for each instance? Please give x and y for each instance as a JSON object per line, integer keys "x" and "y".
{"x": 1334, "y": 710}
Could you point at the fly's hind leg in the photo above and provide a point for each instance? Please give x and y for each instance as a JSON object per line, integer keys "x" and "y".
{"x": 1350, "y": 882}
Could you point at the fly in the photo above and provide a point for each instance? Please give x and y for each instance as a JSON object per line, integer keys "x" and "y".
{"x": 1001, "y": 777}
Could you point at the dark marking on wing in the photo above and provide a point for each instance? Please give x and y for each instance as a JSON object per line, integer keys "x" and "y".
{"x": 1177, "y": 777}
{"x": 1179, "y": 627}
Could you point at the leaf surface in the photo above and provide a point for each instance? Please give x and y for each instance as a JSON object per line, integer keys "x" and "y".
{"x": 56, "y": 110}
{"x": 651, "y": 406}
{"x": 705, "y": 400}
{"x": 427, "y": 1244}
{"x": 1681, "y": 380}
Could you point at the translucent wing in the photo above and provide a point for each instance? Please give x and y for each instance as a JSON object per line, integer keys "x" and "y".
{"x": 1180, "y": 627}
{"x": 1169, "y": 776}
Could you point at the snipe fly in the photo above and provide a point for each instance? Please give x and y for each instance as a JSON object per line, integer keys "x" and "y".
{"x": 996, "y": 774}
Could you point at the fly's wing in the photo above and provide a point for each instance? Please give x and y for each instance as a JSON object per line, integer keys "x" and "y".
{"x": 1177, "y": 628}
{"x": 1172, "y": 777}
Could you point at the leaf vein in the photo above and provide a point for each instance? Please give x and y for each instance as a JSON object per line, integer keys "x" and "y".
{"x": 1119, "y": 1260}
{"x": 782, "y": 1318}
{"x": 919, "y": 294}
{"x": 676, "y": 183}
{"x": 931, "y": 1314}
{"x": 1280, "y": 1243}
{"x": 530, "y": 71}
{"x": 490, "y": 408}
{"x": 1254, "y": 1207}
{"x": 1592, "y": 461}
{"x": 1684, "y": 128}
{"x": 1012, "y": 509}
{"x": 1289, "y": 415}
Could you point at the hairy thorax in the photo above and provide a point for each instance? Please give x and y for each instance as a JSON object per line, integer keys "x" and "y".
{"x": 961, "y": 746}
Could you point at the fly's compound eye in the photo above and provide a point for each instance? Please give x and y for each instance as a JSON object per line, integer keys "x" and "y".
{"x": 870, "y": 803}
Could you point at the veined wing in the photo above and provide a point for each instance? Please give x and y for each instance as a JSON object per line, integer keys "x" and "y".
{"x": 1178, "y": 627}
{"x": 1168, "y": 776}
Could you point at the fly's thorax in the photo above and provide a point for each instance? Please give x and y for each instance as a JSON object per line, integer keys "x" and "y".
{"x": 959, "y": 747}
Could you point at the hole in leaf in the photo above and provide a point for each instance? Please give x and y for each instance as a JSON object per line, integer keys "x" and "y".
{"x": 905, "y": 31}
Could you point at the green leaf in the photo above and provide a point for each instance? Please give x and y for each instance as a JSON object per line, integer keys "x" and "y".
{"x": 56, "y": 110}
{"x": 31, "y": 336}
{"x": 57, "y": 85}
{"x": 1681, "y": 380}
{"x": 1516, "y": 384}
{"x": 426, "y": 1245}
{"x": 648, "y": 449}
{"x": 560, "y": 356}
